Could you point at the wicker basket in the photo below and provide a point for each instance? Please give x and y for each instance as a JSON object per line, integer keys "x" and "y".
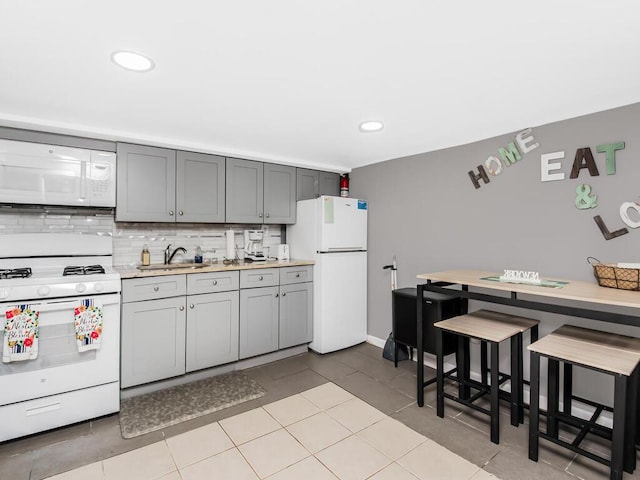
{"x": 609, "y": 275}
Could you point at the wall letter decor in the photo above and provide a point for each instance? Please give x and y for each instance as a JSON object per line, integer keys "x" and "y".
{"x": 584, "y": 159}
{"x": 546, "y": 166}
{"x": 610, "y": 151}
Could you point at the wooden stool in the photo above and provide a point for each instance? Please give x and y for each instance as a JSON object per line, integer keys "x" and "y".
{"x": 617, "y": 355}
{"x": 492, "y": 328}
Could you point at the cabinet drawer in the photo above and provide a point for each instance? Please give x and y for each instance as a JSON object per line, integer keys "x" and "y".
{"x": 289, "y": 275}
{"x": 263, "y": 277}
{"x": 136, "y": 289}
{"x": 212, "y": 282}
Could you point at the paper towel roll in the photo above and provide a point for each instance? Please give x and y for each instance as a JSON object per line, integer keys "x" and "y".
{"x": 231, "y": 244}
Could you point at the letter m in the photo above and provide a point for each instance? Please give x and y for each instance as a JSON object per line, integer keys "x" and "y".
{"x": 510, "y": 154}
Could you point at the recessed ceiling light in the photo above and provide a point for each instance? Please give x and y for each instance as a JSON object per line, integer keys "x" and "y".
{"x": 371, "y": 126}
{"x": 132, "y": 61}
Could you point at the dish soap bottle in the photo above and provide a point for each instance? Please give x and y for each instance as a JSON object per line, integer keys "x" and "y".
{"x": 198, "y": 256}
{"x": 146, "y": 256}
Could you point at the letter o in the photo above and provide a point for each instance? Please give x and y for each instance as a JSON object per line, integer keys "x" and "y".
{"x": 624, "y": 214}
{"x": 493, "y": 165}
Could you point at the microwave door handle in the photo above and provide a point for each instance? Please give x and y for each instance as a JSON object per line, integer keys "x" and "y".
{"x": 83, "y": 179}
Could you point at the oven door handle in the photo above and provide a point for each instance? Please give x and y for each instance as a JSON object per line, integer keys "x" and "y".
{"x": 48, "y": 306}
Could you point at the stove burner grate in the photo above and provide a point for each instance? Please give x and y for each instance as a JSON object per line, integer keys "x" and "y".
{"x": 15, "y": 272}
{"x": 83, "y": 270}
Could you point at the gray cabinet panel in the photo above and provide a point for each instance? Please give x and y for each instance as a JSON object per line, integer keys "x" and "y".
{"x": 261, "y": 277}
{"x": 137, "y": 289}
{"x": 145, "y": 184}
{"x": 212, "y": 329}
{"x": 313, "y": 183}
{"x": 200, "y": 188}
{"x": 306, "y": 183}
{"x": 279, "y": 194}
{"x": 152, "y": 340}
{"x": 296, "y": 314}
{"x": 300, "y": 274}
{"x": 245, "y": 189}
{"x": 258, "y": 321}
{"x": 329, "y": 184}
{"x": 212, "y": 282}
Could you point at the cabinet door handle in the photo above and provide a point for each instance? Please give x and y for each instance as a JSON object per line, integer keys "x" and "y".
{"x": 181, "y": 308}
{"x": 259, "y": 215}
{"x": 191, "y": 305}
{"x": 156, "y": 288}
{"x": 180, "y": 213}
{"x": 171, "y": 213}
{"x": 297, "y": 275}
{"x": 215, "y": 282}
{"x": 284, "y": 294}
{"x": 267, "y": 215}
{"x": 260, "y": 278}
{"x": 276, "y": 295}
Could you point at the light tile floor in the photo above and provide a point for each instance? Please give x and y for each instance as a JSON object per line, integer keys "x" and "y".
{"x": 291, "y": 438}
{"x": 363, "y": 408}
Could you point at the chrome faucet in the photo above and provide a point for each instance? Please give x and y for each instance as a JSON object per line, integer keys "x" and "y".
{"x": 168, "y": 254}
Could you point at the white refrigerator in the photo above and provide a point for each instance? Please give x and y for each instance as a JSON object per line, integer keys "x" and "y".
{"x": 332, "y": 231}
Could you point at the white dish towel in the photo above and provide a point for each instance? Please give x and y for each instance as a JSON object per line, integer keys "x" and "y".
{"x": 87, "y": 318}
{"x": 20, "y": 334}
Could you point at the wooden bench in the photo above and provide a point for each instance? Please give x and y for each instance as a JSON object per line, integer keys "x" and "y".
{"x": 491, "y": 328}
{"x": 617, "y": 355}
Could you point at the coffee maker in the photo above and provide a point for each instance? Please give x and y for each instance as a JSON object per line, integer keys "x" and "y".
{"x": 253, "y": 250}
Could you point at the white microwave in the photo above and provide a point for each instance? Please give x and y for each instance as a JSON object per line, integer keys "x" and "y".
{"x": 38, "y": 174}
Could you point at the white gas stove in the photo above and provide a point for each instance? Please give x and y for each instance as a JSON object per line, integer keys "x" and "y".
{"x": 53, "y": 274}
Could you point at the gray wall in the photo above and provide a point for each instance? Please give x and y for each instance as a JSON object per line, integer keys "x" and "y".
{"x": 425, "y": 210}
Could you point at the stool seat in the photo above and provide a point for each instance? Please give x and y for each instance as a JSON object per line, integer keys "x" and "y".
{"x": 487, "y": 325}
{"x": 604, "y": 351}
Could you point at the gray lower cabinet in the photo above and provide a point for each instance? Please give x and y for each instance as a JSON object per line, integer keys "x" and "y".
{"x": 277, "y": 315}
{"x": 162, "y": 185}
{"x": 258, "y": 321}
{"x": 259, "y": 192}
{"x": 313, "y": 183}
{"x": 152, "y": 340}
{"x": 212, "y": 329}
{"x": 174, "y": 324}
{"x": 296, "y": 314}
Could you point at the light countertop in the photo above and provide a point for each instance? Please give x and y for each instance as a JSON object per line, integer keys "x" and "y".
{"x": 127, "y": 271}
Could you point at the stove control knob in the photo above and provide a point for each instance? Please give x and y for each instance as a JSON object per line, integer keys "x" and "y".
{"x": 81, "y": 287}
{"x": 4, "y": 293}
{"x": 42, "y": 291}
{"x": 99, "y": 287}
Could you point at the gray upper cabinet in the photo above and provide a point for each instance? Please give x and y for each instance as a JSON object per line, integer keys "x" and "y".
{"x": 162, "y": 185}
{"x": 200, "y": 188}
{"x": 245, "y": 187}
{"x": 313, "y": 183}
{"x": 329, "y": 184}
{"x": 279, "y": 194}
{"x": 260, "y": 192}
{"x": 146, "y": 183}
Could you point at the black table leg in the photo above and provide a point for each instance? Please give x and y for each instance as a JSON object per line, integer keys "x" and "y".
{"x": 617, "y": 441}
{"x": 495, "y": 393}
{"x": 420, "y": 347}
{"x": 553, "y": 396}
{"x": 534, "y": 406}
{"x": 516, "y": 382}
{"x": 439, "y": 374}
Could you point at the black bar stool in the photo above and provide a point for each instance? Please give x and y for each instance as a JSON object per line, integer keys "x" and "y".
{"x": 617, "y": 355}
{"x": 492, "y": 328}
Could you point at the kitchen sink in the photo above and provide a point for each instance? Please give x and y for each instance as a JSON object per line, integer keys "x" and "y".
{"x": 171, "y": 266}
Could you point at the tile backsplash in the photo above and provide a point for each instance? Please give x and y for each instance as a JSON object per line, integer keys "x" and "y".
{"x": 130, "y": 238}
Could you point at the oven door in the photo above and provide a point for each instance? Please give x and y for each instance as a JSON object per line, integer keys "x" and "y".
{"x": 59, "y": 366}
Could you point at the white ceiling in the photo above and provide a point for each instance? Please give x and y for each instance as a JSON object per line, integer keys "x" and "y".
{"x": 289, "y": 81}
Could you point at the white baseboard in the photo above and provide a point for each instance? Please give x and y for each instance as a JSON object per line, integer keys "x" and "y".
{"x": 579, "y": 410}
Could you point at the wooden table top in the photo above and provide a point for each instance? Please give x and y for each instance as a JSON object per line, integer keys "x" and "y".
{"x": 574, "y": 290}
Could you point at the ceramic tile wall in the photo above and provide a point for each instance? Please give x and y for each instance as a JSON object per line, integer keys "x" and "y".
{"x": 129, "y": 238}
